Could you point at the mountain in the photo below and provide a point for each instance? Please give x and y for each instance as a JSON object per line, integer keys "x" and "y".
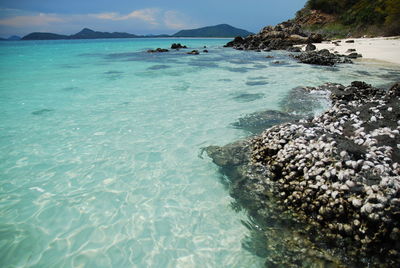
{"x": 11, "y": 38}
{"x": 90, "y": 34}
{"x": 84, "y": 34}
{"x": 44, "y": 36}
{"x": 14, "y": 38}
{"x": 221, "y": 30}
{"x": 339, "y": 18}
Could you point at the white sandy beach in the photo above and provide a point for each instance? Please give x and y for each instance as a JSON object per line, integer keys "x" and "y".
{"x": 381, "y": 48}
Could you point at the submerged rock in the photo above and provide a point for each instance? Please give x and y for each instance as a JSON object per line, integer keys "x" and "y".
{"x": 337, "y": 173}
{"x": 42, "y": 111}
{"x": 299, "y": 101}
{"x": 248, "y": 97}
{"x": 259, "y": 121}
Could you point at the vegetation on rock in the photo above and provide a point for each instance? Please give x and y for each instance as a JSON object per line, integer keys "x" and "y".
{"x": 352, "y": 17}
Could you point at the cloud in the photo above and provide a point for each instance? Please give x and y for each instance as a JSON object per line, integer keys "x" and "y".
{"x": 141, "y": 21}
{"x": 105, "y": 16}
{"x": 36, "y": 20}
{"x": 175, "y": 20}
{"x": 149, "y": 15}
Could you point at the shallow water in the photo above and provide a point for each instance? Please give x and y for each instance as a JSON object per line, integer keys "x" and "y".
{"x": 100, "y": 149}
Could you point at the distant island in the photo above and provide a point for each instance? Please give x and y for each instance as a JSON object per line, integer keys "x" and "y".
{"x": 221, "y": 30}
{"x": 11, "y": 38}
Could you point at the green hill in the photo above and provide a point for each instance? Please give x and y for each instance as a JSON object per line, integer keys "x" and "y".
{"x": 354, "y": 17}
{"x": 221, "y": 30}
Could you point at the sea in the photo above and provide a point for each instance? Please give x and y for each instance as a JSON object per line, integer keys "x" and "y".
{"x": 101, "y": 148}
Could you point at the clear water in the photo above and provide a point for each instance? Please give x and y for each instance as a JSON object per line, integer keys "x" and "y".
{"x": 100, "y": 145}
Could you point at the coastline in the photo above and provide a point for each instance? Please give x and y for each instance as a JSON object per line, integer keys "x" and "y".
{"x": 383, "y": 49}
{"x": 336, "y": 174}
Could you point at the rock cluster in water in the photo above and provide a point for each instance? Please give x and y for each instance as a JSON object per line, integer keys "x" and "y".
{"x": 279, "y": 37}
{"x": 323, "y": 57}
{"x": 177, "y": 46}
{"x": 338, "y": 172}
{"x": 157, "y": 50}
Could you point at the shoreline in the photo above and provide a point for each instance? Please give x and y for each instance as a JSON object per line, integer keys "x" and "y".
{"x": 382, "y": 49}
{"x": 336, "y": 176}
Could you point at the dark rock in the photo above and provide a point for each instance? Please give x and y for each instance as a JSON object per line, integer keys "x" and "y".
{"x": 354, "y": 55}
{"x": 350, "y": 50}
{"x": 177, "y": 46}
{"x": 158, "y": 50}
{"x": 315, "y": 38}
{"x": 322, "y": 57}
{"x": 193, "y": 52}
{"x": 349, "y": 41}
{"x": 237, "y": 41}
{"x": 294, "y": 49}
{"x": 310, "y": 47}
{"x": 394, "y": 91}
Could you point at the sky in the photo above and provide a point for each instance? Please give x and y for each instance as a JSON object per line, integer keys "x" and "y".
{"x": 20, "y": 17}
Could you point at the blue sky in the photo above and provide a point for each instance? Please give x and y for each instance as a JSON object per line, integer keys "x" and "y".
{"x": 139, "y": 17}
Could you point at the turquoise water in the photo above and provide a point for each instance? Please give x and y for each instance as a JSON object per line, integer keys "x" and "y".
{"x": 100, "y": 149}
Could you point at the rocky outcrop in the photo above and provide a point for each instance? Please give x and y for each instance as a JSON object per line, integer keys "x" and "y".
{"x": 177, "y": 46}
{"x": 338, "y": 173}
{"x": 322, "y": 57}
{"x": 281, "y": 36}
{"x": 314, "y": 17}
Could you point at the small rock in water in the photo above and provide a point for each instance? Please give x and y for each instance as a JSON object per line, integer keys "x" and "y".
{"x": 193, "y": 52}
